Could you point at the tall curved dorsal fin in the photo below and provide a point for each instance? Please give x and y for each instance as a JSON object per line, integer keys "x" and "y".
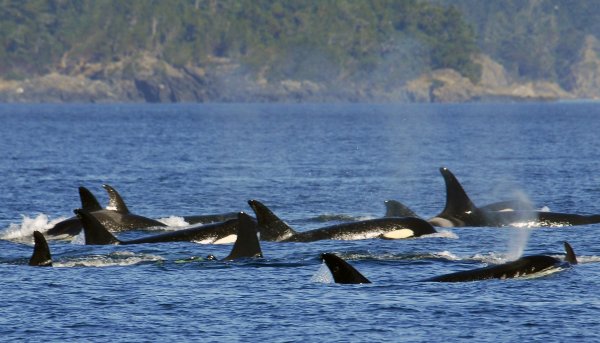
{"x": 341, "y": 270}
{"x": 457, "y": 200}
{"x": 246, "y": 245}
{"x": 271, "y": 228}
{"x": 395, "y": 208}
{"x": 88, "y": 200}
{"x": 570, "y": 257}
{"x": 41, "y": 252}
{"x": 95, "y": 233}
{"x": 115, "y": 202}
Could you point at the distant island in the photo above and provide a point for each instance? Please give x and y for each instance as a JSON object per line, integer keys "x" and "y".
{"x": 296, "y": 51}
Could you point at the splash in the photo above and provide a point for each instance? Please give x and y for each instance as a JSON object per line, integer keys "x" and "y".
{"x": 173, "y": 223}
{"x": 441, "y": 234}
{"x": 79, "y": 239}
{"x": 323, "y": 275}
{"x": 24, "y": 230}
{"x": 447, "y": 255}
{"x": 491, "y": 258}
{"x": 122, "y": 258}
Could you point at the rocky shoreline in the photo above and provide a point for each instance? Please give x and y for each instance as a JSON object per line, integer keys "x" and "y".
{"x": 147, "y": 79}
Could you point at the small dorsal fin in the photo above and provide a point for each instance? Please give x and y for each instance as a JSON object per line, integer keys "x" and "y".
{"x": 115, "y": 202}
{"x": 341, "y": 270}
{"x": 88, "y": 200}
{"x": 570, "y": 257}
{"x": 246, "y": 245}
{"x": 395, "y": 208}
{"x": 41, "y": 252}
{"x": 95, "y": 232}
{"x": 271, "y": 228}
{"x": 457, "y": 200}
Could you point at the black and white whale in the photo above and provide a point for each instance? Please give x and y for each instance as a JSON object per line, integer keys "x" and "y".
{"x": 272, "y": 228}
{"x": 461, "y": 211}
{"x": 342, "y": 271}
{"x": 41, "y": 252}
{"x": 72, "y": 226}
{"x": 116, "y": 203}
{"x": 223, "y": 232}
{"x": 524, "y": 266}
{"x": 116, "y": 217}
{"x": 246, "y": 244}
{"x": 209, "y": 218}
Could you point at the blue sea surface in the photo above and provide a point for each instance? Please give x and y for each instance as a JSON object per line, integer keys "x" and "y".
{"x": 313, "y": 165}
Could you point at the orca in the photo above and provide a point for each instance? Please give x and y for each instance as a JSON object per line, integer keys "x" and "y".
{"x": 209, "y": 218}
{"x": 116, "y": 217}
{"x": 97, "y": 234}
{"x": 41, "y": 252}
{"x": 524, "y": 266}
{"x": 342, "y": 271}
{"x": 461, "y": 211}
{"x": 245, "y": 246}
{"x": 395, "y": 208}
{"x": 272, "y": 228}
{"x": 72, "y": 226}
{"x": 116, "y": 202}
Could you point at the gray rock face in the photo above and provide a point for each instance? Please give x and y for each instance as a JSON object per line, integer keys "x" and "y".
{"x": 147, "y": 79}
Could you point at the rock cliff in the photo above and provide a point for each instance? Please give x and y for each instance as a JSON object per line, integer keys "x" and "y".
{"x": 145, "y": 78}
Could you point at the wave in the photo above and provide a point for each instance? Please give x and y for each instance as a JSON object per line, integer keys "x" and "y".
{"x": 121, "y": 258}
{"x": 331, "y": 217}
{"x": 23, "y": 232}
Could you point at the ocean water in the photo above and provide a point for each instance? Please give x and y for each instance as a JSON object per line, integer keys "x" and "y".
{"x": 313, "y": 165}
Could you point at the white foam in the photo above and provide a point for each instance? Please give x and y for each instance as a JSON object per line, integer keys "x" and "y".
{"x": 447, "y": 255}
{"x": 123, "y": 258}
{"x": 173, "y": 222}
{"x": 26, "y": 228}
{"x": 492, "y": 258}
{"x": 441, "y": 234}
{"x": 79, "y": 239}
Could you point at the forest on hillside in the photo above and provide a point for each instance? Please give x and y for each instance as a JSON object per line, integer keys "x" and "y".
{"x": 214, "y": 50}
{"x": 302, "y": 39}
{"x": 534, "y": 40}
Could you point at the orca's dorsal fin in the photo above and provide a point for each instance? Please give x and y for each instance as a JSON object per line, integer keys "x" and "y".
{"x": 271, "y": 228}
{"x": 41, "y": 252}
{"x": 115, "y": 202}
{"x": 570, "y": 257}
{"x": 457, "y": 200}
{"x": 395, "y": 208}
{"x": 95, "y": 233}
{"x": 246, "y": 245}
{"x": 341, "y": 270}
{"x": 88, "y": 200}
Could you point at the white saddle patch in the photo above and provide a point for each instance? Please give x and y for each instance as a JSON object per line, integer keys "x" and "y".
{"x": 226, "y": 240}
{"x": 398, "y": 234}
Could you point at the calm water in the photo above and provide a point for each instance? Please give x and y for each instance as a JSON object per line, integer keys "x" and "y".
{"x": 311, "y": 164}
